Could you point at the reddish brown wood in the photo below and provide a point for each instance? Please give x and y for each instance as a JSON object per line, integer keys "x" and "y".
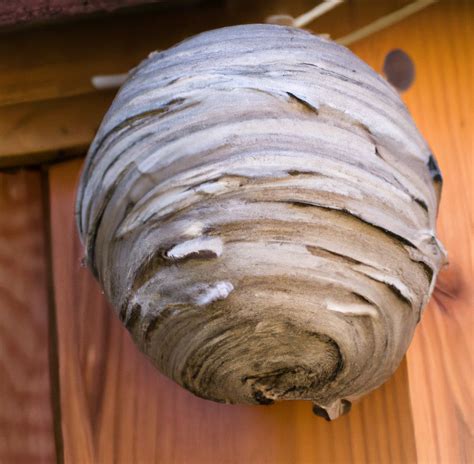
{"x": 26, "y": 415}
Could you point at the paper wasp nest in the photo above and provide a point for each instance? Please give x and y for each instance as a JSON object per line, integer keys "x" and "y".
{"x": 260, "y": 209}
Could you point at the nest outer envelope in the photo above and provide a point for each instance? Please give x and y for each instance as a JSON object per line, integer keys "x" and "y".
{"x": 260, "y": 209}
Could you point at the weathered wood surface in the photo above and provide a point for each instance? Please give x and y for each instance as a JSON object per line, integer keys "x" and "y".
{"x": 117, "y": 408}
{"x": 26, "y": 414}
{"x": 21, "y": 12}
{"x": 440, "y": 359}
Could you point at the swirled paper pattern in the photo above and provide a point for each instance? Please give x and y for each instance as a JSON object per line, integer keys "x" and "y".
{"x": 260, "y": 209}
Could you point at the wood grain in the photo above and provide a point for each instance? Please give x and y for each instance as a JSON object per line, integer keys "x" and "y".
{"x": 26, "y": 415}
{"x": 117, "y": 408}
{"x": 440, "y": 359}
{"x": 36, "y": 132}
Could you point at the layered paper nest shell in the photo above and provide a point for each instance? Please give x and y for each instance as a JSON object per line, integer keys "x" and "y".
{"x": 260, "y": 209}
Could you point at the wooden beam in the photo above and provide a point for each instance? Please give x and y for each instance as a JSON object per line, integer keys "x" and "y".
{"x": 50, "y": 130}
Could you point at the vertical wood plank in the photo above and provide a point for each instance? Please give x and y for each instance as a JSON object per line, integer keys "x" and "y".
{"x": 117, "y": 408}
{"x": 26, "y": 415}
{"x": 440, "y": 359}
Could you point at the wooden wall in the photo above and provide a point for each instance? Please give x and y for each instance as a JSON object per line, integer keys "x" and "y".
{"x": 26, "y": 413}
{"x": 73, "y": 387}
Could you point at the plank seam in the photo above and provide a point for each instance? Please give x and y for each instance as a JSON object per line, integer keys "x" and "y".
{"x": 53, "y": 352}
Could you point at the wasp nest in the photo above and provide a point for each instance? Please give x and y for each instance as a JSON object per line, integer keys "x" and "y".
{"x": 260, "y": 209}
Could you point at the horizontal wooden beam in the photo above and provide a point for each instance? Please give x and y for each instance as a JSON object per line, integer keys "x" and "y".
{"x": 44, "y": 131}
